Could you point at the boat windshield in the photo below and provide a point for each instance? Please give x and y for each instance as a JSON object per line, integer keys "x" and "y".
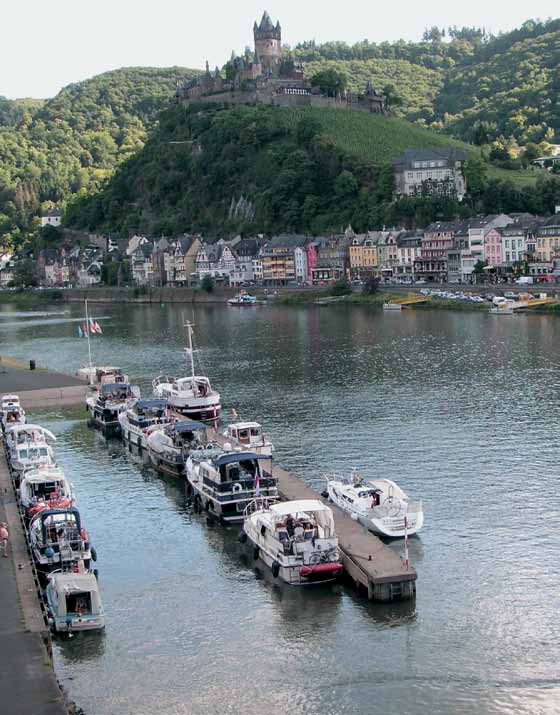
{"x": 43, "y": 490}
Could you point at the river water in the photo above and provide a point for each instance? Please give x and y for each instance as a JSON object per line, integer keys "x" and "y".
{"x": 460, "y": 409}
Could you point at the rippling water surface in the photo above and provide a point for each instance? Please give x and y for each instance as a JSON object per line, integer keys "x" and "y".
{"x": 461, "y": 410}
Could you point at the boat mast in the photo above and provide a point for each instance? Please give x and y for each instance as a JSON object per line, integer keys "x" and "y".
{"x": 88, "y": 345}
{"x": 189, "y": 350}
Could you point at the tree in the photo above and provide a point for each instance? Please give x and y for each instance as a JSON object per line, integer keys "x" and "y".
{"x": 341, "y": 287}
{"x": 207, "y": 283}
{"x": 371, "y": 285}
{"x": 475, "y": 172}
{"x": 392, "y": 98}
{"x": 25, "y": 275}
{"x": 330, "y": 81}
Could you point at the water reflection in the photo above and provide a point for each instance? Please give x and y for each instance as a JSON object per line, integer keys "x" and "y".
{"x": 461, "y": 410}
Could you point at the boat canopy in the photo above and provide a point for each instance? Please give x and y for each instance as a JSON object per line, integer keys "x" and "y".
{"x": 244, "y": 425}
{"x": 8, "y": 400}
{"x": 37, "y": 476}
{"x": 321, "y": 513}
{"x": 112, "y": 386}
{"x": 236, "y": 457}
{"x": 154, "y": 404}
{"x": 42, "y": 517}
{"x": 187, "y": 426}
{"x": 17, "y": 428}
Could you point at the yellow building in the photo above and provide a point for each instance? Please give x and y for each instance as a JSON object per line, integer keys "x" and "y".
{"x": 363, "y": 255}
{"x": 548, "y": 239}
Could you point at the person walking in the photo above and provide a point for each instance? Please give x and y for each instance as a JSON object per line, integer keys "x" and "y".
{"x": 4, "y": 536}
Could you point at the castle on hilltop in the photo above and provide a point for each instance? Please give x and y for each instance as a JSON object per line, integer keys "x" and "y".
{"x": 269, "y": 75}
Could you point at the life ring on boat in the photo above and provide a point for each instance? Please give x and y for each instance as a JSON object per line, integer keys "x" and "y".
{"x": 237, "y": 488}
{"x": 275, "y": 568}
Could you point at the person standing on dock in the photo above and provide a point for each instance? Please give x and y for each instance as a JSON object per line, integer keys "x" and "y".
{"x": 4, "y": 536}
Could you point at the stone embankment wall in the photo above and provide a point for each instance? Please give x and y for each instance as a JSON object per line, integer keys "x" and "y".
{"x": 168, "y": 295}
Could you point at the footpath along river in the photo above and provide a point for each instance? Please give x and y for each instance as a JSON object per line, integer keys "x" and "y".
{"x": 460, "y": 409}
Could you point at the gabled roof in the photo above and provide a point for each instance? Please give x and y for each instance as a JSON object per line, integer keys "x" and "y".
{"x": 449, "y": 154}
{"x": 287, "y": 240}
{"x": 52, "y": 213}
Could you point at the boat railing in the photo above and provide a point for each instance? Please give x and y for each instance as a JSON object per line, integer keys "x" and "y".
{"x": 257, "y": 504}
{"x": 162, "y": 380}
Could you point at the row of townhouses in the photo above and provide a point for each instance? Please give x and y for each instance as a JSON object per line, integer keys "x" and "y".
{"x": 452, "y": 251}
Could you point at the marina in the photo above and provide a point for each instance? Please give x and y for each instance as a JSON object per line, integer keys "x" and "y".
{"x": 309, "y": 631}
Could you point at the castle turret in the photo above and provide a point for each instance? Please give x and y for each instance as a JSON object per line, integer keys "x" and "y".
{"x": 268, "y": 44}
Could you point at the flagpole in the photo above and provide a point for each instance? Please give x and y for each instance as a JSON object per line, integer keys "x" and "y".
{"x": 88, "y": 342}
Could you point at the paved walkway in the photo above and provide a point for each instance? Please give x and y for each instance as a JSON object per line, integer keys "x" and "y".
{"x": 14, "y": 380}
{"x": 27, "y": 682}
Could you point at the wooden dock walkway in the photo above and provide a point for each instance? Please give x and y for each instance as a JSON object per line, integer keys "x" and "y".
{"x": 371, "y": 564}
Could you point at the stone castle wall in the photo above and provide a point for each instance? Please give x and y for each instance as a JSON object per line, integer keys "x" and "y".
{"x": 282, "y": 100}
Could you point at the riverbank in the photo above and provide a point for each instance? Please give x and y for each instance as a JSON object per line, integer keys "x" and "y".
{"x": 28, "y": 685}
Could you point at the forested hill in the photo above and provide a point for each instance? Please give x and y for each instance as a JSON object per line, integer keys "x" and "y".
{"x": 72, "y": 142}
{"x": 478, "y": 87}
{"x": 264, "y": 169}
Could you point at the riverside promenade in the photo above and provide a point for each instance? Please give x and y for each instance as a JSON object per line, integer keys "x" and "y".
{"x": 28, "y": 684}
{"x": 39, "y": 388}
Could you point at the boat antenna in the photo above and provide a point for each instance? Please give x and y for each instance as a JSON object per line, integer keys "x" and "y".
{"x": 88, "y": 344}
{"x": 189, "y": 350}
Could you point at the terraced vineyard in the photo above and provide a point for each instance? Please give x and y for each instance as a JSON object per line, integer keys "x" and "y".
{"x": 380, "y": 139}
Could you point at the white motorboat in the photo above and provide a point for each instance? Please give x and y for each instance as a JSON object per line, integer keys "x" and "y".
{"x": 191, "y": 396}
{"x": 249, "y": 435}
{"x": 11, "y": 412}
{"x": 58, "y": 540}
{"x": 295, "y": 539}
{"x": 41, "y": 489}
{"x": 28, "y": 448}
{"x": 74, "y": 602}
{"x": 105, "y": 405}
{"x": 169, "y": 446}
{"x": 223, "y": 483}
{"x": 379, "y": 504}
{"x": 243, "y": 300}
{"x": 102, "y": 375}
{"x": 136, "y": 422}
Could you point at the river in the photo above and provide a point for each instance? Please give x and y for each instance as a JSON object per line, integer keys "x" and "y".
{"x": 460, "y": 409}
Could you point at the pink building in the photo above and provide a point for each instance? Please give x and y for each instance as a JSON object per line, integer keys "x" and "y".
{"x": 311, "y": 250}
{"x": 493, "y": 247}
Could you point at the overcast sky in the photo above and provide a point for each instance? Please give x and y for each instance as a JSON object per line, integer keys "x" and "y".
{"x": 46, "y": 44}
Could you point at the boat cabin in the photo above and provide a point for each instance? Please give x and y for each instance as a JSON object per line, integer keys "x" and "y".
{"x": 198, "y": 386}
{"x": 147, "y": 412}
{"x": 102, "y": 375}
{"x": 246, "y": 433}
{"x": 302, "y": 520}
{"x": 236, "y": 472}
{"x": 43, "y": 485}
{"x": 74, "y": 601}
{"x": 116, "y": 392}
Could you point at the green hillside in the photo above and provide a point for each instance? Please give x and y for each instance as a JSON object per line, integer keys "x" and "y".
{"x": 417, "y": 86}
{"x": 264, "y": 169}
{"x": 73, "y": 142}
{"x": 380, "y": 139}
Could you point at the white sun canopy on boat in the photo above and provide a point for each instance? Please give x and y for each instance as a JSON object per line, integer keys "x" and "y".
{"x": 302, "y": 507}
{"x": 37, "y": 476}
{"x": 33, "y": 430}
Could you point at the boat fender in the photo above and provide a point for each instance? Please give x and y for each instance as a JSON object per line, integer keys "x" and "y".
{"x": 325, "y": 494}
{"x": 83, "y": 534}
{"x": 275, "y": 569}
{"x": 207, "y": 506}
{"x": 237, "y": 488}
{"x": 263, "y": 530}
{"x": 256, "y": 552}
{"x": 210, "y": 520}
{"x": 93, "y": 553}
{"x": 242, "y": 537}
{"x": 96, "y": 574}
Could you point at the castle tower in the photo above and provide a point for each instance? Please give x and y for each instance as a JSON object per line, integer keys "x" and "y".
{"x": 268, "y": 44}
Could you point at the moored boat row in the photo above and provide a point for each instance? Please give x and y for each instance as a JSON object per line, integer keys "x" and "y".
{"x": 58, "y": 541}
